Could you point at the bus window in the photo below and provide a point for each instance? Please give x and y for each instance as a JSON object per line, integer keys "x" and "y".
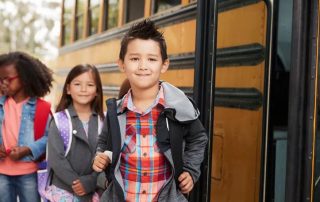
{"x": 134, "y": 10}
{"x": 111, "y": 14}
{"x": 67, "y": 19}
{"x": 160, "y": 5}
{"x": 79, "y": 20}
{"x": 279, "y": 101}
{"x": 94, "y": 11}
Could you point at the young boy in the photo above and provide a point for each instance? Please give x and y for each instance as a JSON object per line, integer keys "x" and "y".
{"x": 150, "y": 115}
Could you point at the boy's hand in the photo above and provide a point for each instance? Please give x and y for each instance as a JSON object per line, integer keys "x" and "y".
{"x": 78, "y": 188}
{"x": 101, "y": 161}
{"x": 3, "y": 153}
{"x": 19, "y": 152}
{"x": 186, "y": 182}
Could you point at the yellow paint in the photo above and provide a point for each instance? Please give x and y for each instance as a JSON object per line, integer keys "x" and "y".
{"x": 184, "y": 2}
{"x": 241, "y": 77}
{"x": 147, "y": 8}
{"x": 237, "y": 142}
{"x": 180, "y": 38}
{"x": 120, "y": 17}
{"x": 243, "y": 25}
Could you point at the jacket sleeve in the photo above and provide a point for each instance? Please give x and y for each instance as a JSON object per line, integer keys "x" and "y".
{"x": 195, "y": 145}
{"x": 39, "y": 147}
{"x": 89, "y": 182}
{"x": 56, "y": 159}
{"x": 103, "y": 139}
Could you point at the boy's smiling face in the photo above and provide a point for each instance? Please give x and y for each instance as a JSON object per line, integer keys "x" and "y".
{"x": 143, "y": 64}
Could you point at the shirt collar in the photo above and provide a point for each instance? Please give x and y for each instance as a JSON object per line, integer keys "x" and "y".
{"x": 73, "y": 112}
{"x": 128, "y": 103}
{"x": 31, "y": 100}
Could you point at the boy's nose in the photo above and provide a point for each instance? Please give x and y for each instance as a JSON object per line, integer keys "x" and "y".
{"x": 142, "y": 65}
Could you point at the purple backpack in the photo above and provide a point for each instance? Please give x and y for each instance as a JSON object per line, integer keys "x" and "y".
{"x": 63, "y": 123}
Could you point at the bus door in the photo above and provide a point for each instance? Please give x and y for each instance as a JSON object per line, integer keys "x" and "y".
{"x": 241, "y": 92}
{"x": 235, "y": 95}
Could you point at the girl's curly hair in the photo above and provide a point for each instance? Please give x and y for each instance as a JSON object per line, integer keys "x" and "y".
{"x": 35, "y": 76}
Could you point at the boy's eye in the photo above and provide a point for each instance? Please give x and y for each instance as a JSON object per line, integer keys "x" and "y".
{"x": 152, "y": 59}
{"x": 134, "y": 59}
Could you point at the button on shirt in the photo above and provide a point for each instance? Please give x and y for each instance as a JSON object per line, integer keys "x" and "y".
{"x": 143, "y": 167}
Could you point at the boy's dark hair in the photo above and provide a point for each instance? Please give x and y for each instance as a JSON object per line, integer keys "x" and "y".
{"x": 66, "y": 99}
{"x": 144, "y": 30}
{"x": 36, "y": 78}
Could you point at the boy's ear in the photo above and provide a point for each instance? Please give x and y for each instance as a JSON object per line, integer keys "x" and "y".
{"x": 121, "y": 65}
{"x": 165, "y": 66}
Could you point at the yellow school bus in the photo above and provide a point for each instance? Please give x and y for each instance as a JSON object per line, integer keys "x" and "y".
{"x": 250, "y": 65}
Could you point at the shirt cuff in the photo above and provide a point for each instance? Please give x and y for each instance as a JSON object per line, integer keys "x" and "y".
{"x": 109, "y": 155}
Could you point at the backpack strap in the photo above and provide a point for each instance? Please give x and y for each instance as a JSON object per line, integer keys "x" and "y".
{"x": 114, "y": 135}
{"x": 41, "y": 118}
{"x": 176, "y": 139}
{"x": 64, "y": 125}
{"x": 113, "y": 143}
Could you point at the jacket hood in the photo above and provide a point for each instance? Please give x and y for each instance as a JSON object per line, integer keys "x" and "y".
{"x": 176, "y": 99}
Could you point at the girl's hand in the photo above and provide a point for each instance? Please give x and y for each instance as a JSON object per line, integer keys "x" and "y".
{"x": 3, "y": 153}
{"x": 101, "y": 161}
{"x": 19, "y": 152}
{"x": 186, "y": 182}
{"x": 78, "y": 188}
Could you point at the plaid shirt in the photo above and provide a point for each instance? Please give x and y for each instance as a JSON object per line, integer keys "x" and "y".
{"x": 143, "y": 167}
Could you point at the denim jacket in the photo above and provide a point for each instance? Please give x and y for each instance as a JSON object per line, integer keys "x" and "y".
{"x": 26, "y": 131}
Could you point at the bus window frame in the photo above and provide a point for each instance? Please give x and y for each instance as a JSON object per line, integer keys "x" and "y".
{"x": 71, "y": 23}
{"x": 80, "y": 34}
{"x": 105, "y": 15}
{"x": 153, "y": 6}
{"x": 302, "y": 92}
{"x": 89, "y": 21}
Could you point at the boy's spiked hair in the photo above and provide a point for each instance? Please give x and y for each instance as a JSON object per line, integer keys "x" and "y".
{"x": 66, "y": 100}
{"x": 36, "y": 78}
{"x": 144, "y": 30}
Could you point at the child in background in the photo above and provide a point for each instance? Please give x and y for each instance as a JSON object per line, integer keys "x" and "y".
{"x": 125, "y": 86}
{"x": 73, "y": 178}
{"x": 23, "y": 79}
{"x": 141, "y": 164}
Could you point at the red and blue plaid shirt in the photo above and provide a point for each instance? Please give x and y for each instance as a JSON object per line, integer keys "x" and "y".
{"x": 143, "y": 167}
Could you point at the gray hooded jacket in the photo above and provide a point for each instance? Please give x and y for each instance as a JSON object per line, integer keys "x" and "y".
{"x": 179, "y": 110}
